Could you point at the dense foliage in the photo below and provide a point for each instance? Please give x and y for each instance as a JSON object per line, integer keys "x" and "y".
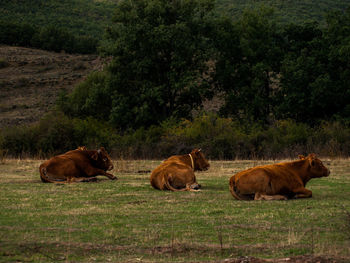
{"x": 90, "y": 18}
{"x": 282, "y": 89}
{"x": 170, "y": 56}
{"x": 159, "y": 50}
{"x": 78, "y": 17}
{"x": 220, "y": 138}
{"x": 286, "y": 11}
{"x": 50, "y": 38}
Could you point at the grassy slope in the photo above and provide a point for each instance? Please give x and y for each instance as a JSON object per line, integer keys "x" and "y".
{"x": 128, "y": 220}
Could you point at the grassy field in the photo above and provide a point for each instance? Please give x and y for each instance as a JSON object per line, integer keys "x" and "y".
{"x": 128, "y": 221}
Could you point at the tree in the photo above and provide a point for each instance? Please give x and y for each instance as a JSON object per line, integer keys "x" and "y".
{"x": 315, "y": 76}
{"x": 246, "y": 66}
{"x": 160, "y": 51}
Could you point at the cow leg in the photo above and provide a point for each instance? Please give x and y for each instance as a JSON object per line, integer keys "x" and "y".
{"x": 81, "y": 179}
{"x": 260, "y": 196}
{"x": 111, "y": 176}
{"x": 302, "y": 193}
{"x": 94, "y": 172}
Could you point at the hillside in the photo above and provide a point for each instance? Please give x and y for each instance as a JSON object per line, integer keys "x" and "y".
{"x": 286, "y": 11}
{"x": 90, "y": 17}
{"x": 31, "y": 79}
{"x": 81, "y": 17}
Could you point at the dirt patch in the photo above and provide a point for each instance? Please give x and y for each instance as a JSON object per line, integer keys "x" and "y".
{"x": 31, "y": 80}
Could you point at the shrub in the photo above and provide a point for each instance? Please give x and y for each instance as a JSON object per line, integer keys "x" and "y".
{"x": 49, "y": 38}
{"x": 220, "y": 138}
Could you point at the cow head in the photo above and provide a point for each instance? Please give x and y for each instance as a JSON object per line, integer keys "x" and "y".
{"x": 200, "y": 163}
{"x": 102, "y": 159}
{"x": 317, "y": 168}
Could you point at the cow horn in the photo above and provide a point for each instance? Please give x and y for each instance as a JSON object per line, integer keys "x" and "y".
{"x": 199, "y": 149}
{"x": 99, "y": 151}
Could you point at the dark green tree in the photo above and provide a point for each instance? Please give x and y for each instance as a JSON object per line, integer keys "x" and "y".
{"x": 315, "y": 75}
{"x": 337, "y": 37}
{"x": 160, "y": 51}
{"x": 247, "y": 65}
{"x": 303, "y": 62}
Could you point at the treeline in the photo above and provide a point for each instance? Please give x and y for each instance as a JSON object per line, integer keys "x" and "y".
{"x": 220, "y": 138}
{"x": 282, "y": 90}
{"x": 51, "y": 38}
{"x": 170, "y": 57}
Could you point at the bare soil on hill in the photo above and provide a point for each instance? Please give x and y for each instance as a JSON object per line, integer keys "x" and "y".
{"x": 31, "y": 80}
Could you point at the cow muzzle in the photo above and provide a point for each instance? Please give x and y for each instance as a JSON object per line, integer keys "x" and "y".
{"x": 205, "y": 168}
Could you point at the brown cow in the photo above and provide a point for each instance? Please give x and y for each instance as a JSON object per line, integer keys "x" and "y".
{"x": 279, "y": 181}
{"x": 177, "y": 172}
{"x": 80, "y": 165}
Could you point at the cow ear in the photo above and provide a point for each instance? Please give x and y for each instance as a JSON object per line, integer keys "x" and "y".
{"x": 312, "y": 162}
{"x": 95, "y": 156}
{"x": 312, "y": 155}
{"x": 301, "y": 157}
{"x": 198, "y": 151}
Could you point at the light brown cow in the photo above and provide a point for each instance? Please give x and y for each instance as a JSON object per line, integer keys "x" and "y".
{"x": 80, "y": 165}
{"x": 177, "y": 172}
{"x": 279, "y": 181}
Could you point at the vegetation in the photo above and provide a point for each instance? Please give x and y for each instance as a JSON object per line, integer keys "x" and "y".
{"x": 90, "y": 18}
{"x": 263, "y": 72}
{"x": 277, "y": 84}
{"x": 286, "y": 11}
{"x": 128, "y": 220}
{"x": 50, "y": 38}
{"x": 78, "y": 17}
{"x": 220, "y": 138}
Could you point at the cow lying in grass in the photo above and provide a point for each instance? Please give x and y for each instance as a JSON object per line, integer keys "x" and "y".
{"x": 80, "y": 165}
{"x": 177, "y": 172}
{"x": 279, "y": 181}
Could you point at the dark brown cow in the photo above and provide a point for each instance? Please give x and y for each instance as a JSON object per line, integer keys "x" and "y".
{"x": 177, "y": 172}
{"x": 279, "y": 181}
{"x": 80, "y": 165}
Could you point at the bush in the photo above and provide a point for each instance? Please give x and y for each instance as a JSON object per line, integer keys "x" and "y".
{"x": 220, "y": 138}
{"x": 16, "y": 34}
{"x": 56, "y": 133}
{"x": 49, "y": 38}
{"x": 90, "y": 98}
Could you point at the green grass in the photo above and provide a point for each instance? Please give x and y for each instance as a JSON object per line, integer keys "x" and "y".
{"x": 127, "y": 220}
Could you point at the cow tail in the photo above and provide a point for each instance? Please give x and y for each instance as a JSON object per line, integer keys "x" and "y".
{"x": 45, "y": 178}
{"x": 170, "y": 187}
{"x": 233, "y": 188}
